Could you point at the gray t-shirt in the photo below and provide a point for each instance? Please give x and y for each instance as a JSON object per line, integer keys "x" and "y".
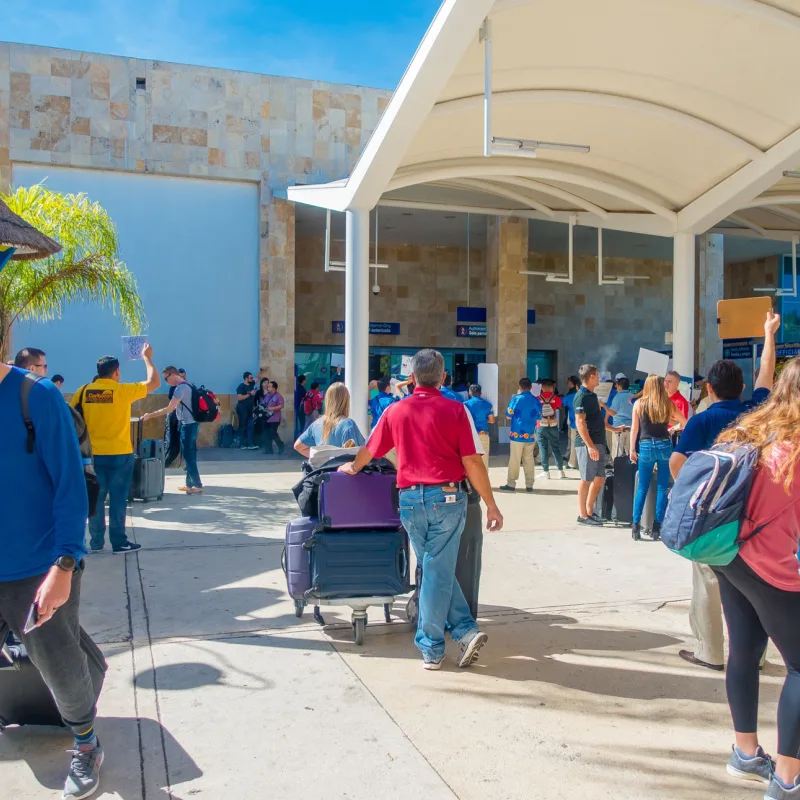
{"x": 183, "y": 391}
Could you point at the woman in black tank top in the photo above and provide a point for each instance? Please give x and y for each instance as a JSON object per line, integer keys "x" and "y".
{"x": 651, "y": 448}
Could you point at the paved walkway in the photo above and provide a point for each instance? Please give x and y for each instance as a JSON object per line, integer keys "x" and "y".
{"x": 216, "y": 690}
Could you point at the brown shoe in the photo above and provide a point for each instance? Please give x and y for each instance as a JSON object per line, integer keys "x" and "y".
{"x": 184, "y": 489}
{"x": 688, "y": 655}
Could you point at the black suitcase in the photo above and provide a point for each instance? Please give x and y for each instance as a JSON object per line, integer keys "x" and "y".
{"x": 24, "y": 697}
{"x": 468, "y": 565}
{"x": 470, "y": 551}
{"x": 624, "y": 488}
{"x": 604, "y": 505}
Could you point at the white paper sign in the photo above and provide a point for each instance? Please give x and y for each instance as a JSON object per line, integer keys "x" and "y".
{"x": 603, "y": 390}
{"x": 652, "y": 363}
{"x": 536, "y": 389}
{"x": 685, "y": 388}
{"x": 489, "y": 379}
{"x": 405, "y": 366}
{"x": 132, "y": 347}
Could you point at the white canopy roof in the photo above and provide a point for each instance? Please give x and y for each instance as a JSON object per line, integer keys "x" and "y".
{"x": 689, "y": 107}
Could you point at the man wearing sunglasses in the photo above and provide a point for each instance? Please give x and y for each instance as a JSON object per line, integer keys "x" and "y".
{"x": 33, "y": 360}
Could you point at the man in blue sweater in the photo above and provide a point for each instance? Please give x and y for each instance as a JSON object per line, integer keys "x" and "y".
{"x": 44, "y": 502}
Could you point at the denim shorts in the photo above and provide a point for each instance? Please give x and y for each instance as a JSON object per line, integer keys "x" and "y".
{"x": 589, "y": 469}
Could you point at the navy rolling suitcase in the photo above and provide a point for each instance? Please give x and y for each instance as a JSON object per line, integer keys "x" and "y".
{"x": 361, "y": 564}
{"x": 24, "y": 697}
{"x": 297, "y": 559}
{"x": 367, "y": 501}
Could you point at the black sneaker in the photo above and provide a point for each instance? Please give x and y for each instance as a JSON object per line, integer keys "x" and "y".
{"x": 128, "y": 547}
{"x": 529, "y": 490}
{"x": 599, "y": 520}
{"x": 589, "y": 521}
{"x": 507, "y": 488}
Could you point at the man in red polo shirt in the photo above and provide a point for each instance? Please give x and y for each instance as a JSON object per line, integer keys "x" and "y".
{"x": 437, "y": 448}
{"x": 671, "y": 384}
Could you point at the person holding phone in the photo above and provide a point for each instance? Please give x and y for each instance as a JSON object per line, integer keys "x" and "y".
{"x": 45, "y": 505}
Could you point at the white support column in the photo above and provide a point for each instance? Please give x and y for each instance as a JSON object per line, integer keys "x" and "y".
{"x": 683, "y": 301}
{"x": 356, "y": 315}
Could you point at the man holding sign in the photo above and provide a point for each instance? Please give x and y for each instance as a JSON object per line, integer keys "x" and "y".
{"x": 105, "y": 405}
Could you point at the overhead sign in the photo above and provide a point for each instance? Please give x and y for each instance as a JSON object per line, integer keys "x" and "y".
{"x": 737, "y": 349}
{"x": 471, "y": 331}
{"x": 477, "y": 314}
{"x": 375, "y": 328}
{"x": 783, "y": 350}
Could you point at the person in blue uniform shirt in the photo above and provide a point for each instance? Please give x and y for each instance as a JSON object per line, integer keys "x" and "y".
{"x": 524, "y": 410}
{"x": 381, "y": 401}
{"x": 482, "y": 413}
{"x": 447, "y": 389}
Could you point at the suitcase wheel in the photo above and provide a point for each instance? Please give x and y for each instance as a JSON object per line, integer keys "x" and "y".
{"x": 160, "y": 497}
{"x": 299, "y": 607}
{"x": 359, "y": 627}
{"x": 412, "y": 609}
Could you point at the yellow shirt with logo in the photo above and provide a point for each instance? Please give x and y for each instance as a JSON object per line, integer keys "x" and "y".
{"x": 107, "y": 411}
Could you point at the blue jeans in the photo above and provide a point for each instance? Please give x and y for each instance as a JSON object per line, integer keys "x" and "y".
{"x": 114, "y": 474}
{"x": 435, "y": 527}
{"x": 247, "y": 427}
{"x": 189, "y": 452}
{"x": 653, "y": 453}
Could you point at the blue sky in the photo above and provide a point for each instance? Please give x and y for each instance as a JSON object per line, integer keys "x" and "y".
{"x": 358, "y": 41}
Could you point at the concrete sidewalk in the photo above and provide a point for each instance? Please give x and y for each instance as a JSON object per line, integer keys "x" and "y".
{"x": 216, "y": 689}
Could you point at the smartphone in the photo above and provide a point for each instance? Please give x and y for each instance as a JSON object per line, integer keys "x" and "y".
{"x": 33, "y": 618}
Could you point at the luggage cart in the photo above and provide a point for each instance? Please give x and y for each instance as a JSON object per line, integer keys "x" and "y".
{"x": 359, "y": 606}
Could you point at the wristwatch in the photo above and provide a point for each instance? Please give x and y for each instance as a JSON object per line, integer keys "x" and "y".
{"x": 67, "y": 563}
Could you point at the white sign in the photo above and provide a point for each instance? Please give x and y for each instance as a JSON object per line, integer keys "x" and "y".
{"x": 405, "y": 366}
{"x": 603, "y": 390}
{"x": 652, "y": 363}
{"x": 132, "y": 347}
{"x": 685, "y": 388}
{"x": 536, "y": 388}
{"x": 489, "y": 379}
{"x": 668, "y": 337}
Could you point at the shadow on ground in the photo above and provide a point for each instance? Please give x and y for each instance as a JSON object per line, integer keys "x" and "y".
{"x": 43, "y": 750}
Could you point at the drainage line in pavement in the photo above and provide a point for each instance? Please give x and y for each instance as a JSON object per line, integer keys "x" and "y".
{"x": 135, "y": 687}
{"x": 155, "y": 678}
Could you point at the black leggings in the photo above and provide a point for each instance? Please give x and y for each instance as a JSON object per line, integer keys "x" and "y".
{"x": 756, "y": 611}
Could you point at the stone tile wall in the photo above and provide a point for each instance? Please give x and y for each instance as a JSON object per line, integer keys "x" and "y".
{"x": 108, "y": 112}
{"x": 741, "y": 279}
{"x": 421, "y": 290}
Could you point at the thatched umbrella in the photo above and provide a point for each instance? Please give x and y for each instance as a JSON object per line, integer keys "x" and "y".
{"x": 27, "y": 241}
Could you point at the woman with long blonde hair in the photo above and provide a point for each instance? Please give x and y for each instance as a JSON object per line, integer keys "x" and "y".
{"x": 760, "y": 588}
{"x": 651, "y": 448}
{"x": 334, "y": 427}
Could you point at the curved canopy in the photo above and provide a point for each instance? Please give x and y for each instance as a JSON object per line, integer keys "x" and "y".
{"x": 688, "y": 108}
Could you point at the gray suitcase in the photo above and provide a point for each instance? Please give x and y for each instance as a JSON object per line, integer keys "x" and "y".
{"x": 148, "y": 469}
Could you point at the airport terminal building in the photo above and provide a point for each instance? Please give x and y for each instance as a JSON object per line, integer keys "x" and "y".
{"x": 194, "y": 164}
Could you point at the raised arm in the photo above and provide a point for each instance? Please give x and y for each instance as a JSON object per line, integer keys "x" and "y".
{"x": 153, "y": 380}
{"x": 766, "y": 373}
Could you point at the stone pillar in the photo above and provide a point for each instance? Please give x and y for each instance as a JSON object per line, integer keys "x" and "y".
{"x": 507, "y": 304}
{"x": 276, "y": 296}
{"x": 5, "y": 118}
{"x": 711, "y": 289}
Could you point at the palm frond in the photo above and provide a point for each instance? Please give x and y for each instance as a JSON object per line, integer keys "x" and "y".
{"x": 87, "y": 270}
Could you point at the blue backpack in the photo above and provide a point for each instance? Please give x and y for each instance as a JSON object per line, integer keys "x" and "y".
{"x": 708, "y": 503}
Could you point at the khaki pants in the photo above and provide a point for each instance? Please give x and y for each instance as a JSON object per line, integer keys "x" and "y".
{"x": 573, "y": 454}
{"x": 486, "y": 442}
{"x": 705, "y": 615}
{"x": 621, "y": 444}
{"x": 521, "y": 453}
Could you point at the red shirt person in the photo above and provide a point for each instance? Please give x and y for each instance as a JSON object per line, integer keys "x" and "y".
{"x": 437, "y": 451}
{"x": 671, "y": 384}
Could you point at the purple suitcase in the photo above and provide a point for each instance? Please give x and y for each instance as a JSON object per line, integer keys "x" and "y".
{"x": 367, "y": 501}
{"x": 296, "y": 558}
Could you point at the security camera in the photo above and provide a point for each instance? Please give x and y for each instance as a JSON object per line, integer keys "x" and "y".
{"x": 376, "y": 289}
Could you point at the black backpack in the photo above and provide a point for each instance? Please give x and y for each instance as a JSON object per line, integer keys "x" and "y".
{"x": 92, "y": 484}
{"x": 205, "y": 406}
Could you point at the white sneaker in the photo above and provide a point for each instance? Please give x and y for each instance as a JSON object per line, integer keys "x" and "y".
{"x": 562, "y": 474}
{"x": 545, "y": 476}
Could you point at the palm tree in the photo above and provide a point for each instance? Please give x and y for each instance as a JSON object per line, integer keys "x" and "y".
{"x": 86, "y": 270}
